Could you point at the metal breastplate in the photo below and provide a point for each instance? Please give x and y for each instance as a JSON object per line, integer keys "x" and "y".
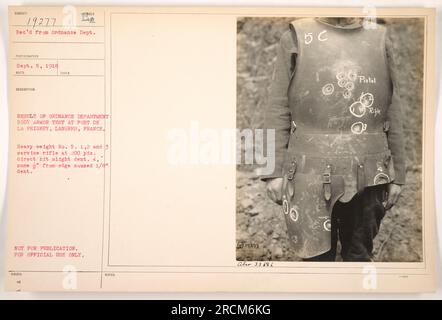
{"x": 338, "y": 96}
{"x": 341, "y": 83}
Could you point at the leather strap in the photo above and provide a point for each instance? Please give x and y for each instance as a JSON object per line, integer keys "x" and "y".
{"x": 361, "y": 176}
{"x": 326, "y": 180}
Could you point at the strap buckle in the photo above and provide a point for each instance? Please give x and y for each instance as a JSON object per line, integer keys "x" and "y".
{"x": 293, "y": 127}
{"x": 292, "y": 170}
{"x": 326, "y": 176}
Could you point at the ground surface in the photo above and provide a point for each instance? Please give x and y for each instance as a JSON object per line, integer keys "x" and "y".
{"x": 262, "y": 232}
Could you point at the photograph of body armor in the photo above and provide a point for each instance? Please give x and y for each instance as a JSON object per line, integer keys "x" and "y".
{"x": 343, "y": 97}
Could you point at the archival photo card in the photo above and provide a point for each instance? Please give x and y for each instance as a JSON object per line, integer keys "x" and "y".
{"x": 218, "y": 149}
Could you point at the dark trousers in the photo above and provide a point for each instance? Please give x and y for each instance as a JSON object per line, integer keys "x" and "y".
{"x": 356, "y": 223}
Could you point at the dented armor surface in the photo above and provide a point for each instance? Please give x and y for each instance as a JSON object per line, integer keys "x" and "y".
{"x": 338, "y": 96}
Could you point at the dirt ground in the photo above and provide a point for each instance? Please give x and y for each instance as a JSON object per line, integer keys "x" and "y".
{"x": 261, "y": 230}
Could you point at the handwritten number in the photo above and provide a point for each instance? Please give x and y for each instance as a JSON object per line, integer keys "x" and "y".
{"x": 40, "y": 21}
{"x": 308, "y": 38}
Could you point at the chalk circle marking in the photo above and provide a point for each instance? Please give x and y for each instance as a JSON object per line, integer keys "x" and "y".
{"x": 294, "y": 215}
{"x": 381, "y": 178}
{"x": 322, "y": 36}
{"x": 347, "y": 94}
{"x": 341, "y": 75}
{"x": 342, "y": 83}
{"x": 366, "y": 99}
{"x": 358, "y": 127}
{"x": 327, "y": 225}
{"x": 357, "y": 109}
{"x": 328, "y": 89}
{"x": 351, "y": 75}
{"x": 349, "y": 85}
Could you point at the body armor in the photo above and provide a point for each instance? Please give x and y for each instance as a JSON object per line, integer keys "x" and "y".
{"x": 339, "y": 94}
